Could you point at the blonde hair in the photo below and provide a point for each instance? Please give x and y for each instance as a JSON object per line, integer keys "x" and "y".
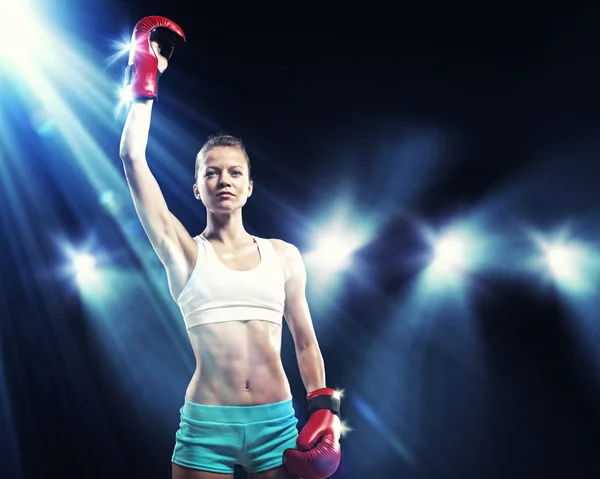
{"x": 219, "y": 140}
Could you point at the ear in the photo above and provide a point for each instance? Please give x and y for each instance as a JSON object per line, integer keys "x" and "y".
{"x": 250, "y": 188}
{"x": 196, "y": 191}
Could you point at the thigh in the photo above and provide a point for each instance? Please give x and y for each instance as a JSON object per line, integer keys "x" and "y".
{"x": 277, "y": 473}
{"x": 267, "y": 440}
{"x": 180, "y": 472}
{"x": 203, "y": 444}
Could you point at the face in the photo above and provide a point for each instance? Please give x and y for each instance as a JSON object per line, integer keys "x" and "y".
{"x": 223, "y": 183}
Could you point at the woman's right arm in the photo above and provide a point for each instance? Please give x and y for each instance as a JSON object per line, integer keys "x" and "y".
{"x": 168, "y": 236}
{"x": 153, "y": 39}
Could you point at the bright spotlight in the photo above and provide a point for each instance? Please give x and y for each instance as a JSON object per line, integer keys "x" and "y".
{"x": 20, "y": 24}
{"x": 345, "y": 429}
{"x": 561, "y": 260}
{"x": 453, "y": 254}
{"x": 125, "y": 99}
{"x": 449, "y": 253}
{"x": 125, "y": 95}
{"x": 573, "y": 265}
{"x": 84, "y": 265}
{"x": 126, "y": 48}
{"x": 334, "y": 252}
{"x": 564, "y": 261}
{"x": 122, "y": 48}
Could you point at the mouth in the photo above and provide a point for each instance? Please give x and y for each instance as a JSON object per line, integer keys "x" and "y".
{"x": 225, "y": 195}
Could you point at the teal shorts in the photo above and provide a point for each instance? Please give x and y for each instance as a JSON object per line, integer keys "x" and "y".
{"x": 214, "y": 438}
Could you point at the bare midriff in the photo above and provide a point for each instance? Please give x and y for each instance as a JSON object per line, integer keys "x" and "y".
{"x": 238, "y": 363}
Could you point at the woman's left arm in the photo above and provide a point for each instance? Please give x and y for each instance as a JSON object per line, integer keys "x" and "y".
{"x": 297, "y": 316}
{"x": 318, "y": 452}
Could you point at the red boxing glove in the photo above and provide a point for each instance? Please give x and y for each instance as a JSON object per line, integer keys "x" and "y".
{"x": 142, "y": 70}
{"x": 318, "y": 451}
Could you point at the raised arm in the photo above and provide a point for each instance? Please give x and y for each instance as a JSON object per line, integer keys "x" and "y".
{"x": 169, "y": 238}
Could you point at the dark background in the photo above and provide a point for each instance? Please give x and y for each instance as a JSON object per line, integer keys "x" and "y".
{"x": 506, "y": 100}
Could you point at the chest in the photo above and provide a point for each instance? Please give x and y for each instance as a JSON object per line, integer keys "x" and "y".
{"x": 242, "y": 258}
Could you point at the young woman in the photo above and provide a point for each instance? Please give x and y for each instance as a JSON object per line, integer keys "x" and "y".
{"x": 233, "y": 289}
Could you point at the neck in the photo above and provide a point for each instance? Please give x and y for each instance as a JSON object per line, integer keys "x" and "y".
{"x": 227, "y": 229}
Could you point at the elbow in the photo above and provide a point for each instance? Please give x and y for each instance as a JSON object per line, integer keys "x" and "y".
{"x": 309, "y": 345}
{"x": 125, "y": 152}
{"x": 129, "y": 151}
{"x": 127, "y": 156}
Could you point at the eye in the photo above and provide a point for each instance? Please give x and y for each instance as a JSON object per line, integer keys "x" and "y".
{"x": 236, "y": 172}
{"x": 209, "y": 173}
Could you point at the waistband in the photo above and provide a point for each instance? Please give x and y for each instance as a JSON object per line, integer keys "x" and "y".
{"x": 237, "y": 414}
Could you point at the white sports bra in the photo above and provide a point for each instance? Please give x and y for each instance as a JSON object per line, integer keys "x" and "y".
{"x": 215, "y": 293}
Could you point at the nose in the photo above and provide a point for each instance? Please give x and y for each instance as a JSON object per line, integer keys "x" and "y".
{"x": 224, "y": 180}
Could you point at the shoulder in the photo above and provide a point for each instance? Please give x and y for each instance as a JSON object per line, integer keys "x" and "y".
{"x": 284, "y": 249}
{"x": 290, "y": 256}
{"x": 280, "y": 245}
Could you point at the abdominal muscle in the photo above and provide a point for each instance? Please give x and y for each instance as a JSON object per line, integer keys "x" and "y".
{"x": 238, "y": 363}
